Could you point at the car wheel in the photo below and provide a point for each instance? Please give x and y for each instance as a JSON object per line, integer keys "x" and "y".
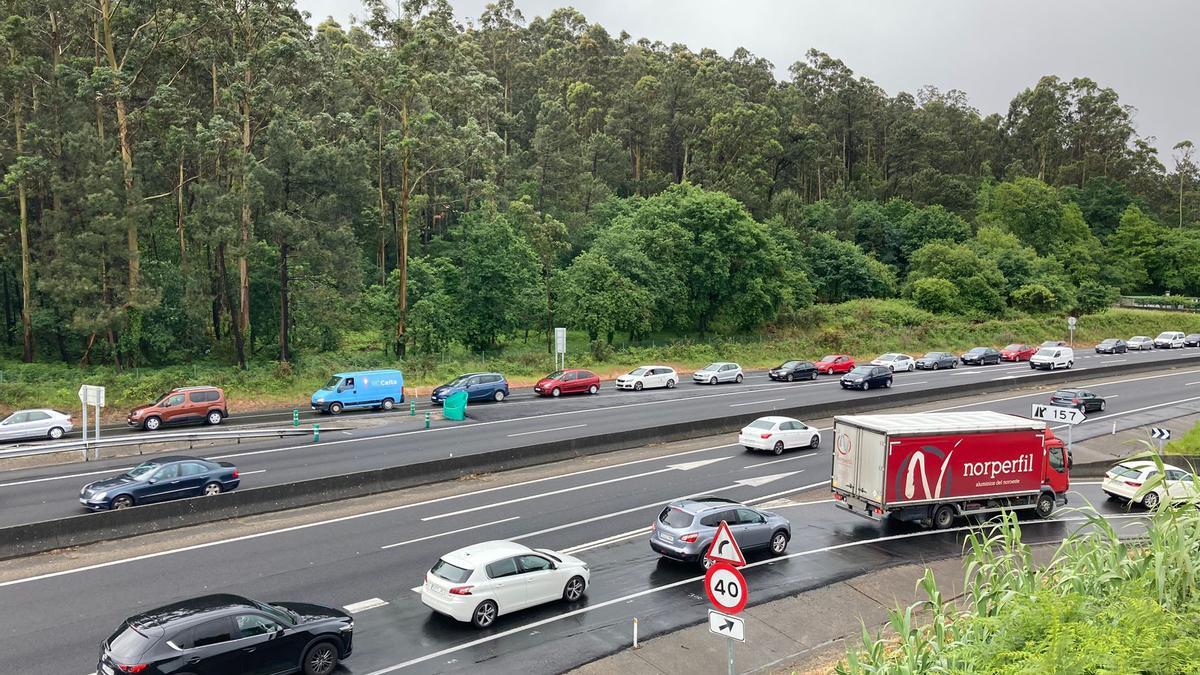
{"x": 1053, "y": 365}
{"x": 912, "y": 368}
{"x": 593, "y": 389}
{"x": 320, "y": 659}
{"x": 953, "y": 364}
{"x": 738, "y": 379}
{"x": 1102, "y": 405}
{"x": 943, "y": 517}
{"x": 485, "y": 614}
{"x": 706, "y": 562}
{"x": 866, "y": 385}
{"x": 712, "y": 380}
{"x": 387, "y": 404}
{"x": 122, "y": 502}
{"x": 670, "y": 384}
{"x": 499, "y": 395}
{"x": 335, "y": 408}
{"x": 888, "y": 384}
{"x": 816, "y": 440}
{"x": 214, "y": 417}
{"x": 212, "y": 489}
{"x": 1151, "y": 500}
{"x": 637, "y": 386}
{"x": 1045, "y": 505}
{"x": 813, "y": 376}
{"x": 151, "y": 424}
{"x": 556, "y": 392}
{"x": 778, "y": 449}
{"x": 55, "y": 433}
{"x": 788, "y": 378}
{"x": 1069, "y": 364}
{"x": 573, "y": 591}
{"x": 779, "y": 542}
{"x": 935, "y": 365}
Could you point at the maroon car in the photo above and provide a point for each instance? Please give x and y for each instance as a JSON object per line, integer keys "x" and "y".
{"x": 567, "y": 382}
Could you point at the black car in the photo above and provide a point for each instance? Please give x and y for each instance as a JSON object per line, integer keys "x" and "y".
{"x": 867, "y": 377}
{"x": 1191, "y": 340}
{"x": 160, "y": 480}
{"x": 1113, "y": 346}
{"x": 793, "y": 370}
{"x": 225, "y": 634}
{"x": 982, "y": 356}
{"x": 936, "y": 360}
{"x": 1077, "y": 398}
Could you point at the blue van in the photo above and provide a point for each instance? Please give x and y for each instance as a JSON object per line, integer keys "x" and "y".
{"x": 381, "y": 389}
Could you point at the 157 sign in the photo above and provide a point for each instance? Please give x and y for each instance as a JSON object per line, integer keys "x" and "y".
{"x": 1054, "y": 413}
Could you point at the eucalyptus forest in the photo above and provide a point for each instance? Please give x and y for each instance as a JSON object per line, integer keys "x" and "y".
{"x": 190, "y": 179}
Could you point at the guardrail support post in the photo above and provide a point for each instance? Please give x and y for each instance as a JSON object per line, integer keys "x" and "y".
{"x": 426, "y": 420}
{"x": 316, "y": 432}
{"x": 295, "y": 417}
{"x": 412, "y": 408}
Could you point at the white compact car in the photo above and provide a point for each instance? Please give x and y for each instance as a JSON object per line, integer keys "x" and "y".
{"x": 37, "y": 423}
{"x": 1052, "y": 358}
{"x": 648, "y": 377}
{"x": 1170, "y": 339}
{"x": 778, "y": 434}
{"x": 896, "y": 362}
{"x": 1125, "y": 479}
{"x": 478, "y": 583}
{"x": 717, "y": 372}
{"x": 1139, "y": 342}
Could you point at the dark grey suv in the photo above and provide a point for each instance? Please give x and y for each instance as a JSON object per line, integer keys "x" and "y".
{"x": 686, "y": 527}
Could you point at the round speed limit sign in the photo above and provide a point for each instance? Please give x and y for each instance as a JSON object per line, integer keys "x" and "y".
{"x": 726, "y": 588}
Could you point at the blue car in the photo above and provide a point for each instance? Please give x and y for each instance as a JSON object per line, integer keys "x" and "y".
{"x": 160, "y": 480}
{"x": 381, "y": 389}
{"x": 479, "y": 387}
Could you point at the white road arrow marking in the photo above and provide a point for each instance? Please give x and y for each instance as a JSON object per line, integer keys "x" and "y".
{"x": 763, "y": 480}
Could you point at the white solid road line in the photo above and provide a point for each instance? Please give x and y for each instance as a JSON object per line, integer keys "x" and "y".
{"x": 360, "y": 607}
{"x": 906, "y": 384}
{"x": 546, "y": 431}
{"x": 688, "y": 466}
{"x": 1115, "y": 361}
{"x": 1188, "y": 384}
{"x": 251, "y": 473}
{"x": 683, "y": 582}
{"x": 624, "y": 536}
{"x": 1042, "y": 393}
{"x": 776, "y": 461}
{"x": 1135, "y": 410}
{"x": 770, "y": 400}
{"x": 445, "y": 534}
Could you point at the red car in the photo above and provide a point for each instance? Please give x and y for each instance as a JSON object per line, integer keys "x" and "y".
{"x": 567, "y": 382}
{"x": 835, "y": 363}
{"x": 1017, "y": 352}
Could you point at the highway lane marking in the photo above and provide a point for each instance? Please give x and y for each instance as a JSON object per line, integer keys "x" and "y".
{"x": 1042, "y": 393}
{"x": 1135, "y": 410}
{"x": 446, "y": 534}
{"x": 696, "y": 579}
{"x": 360, "y": 607}
{"x": 906, "y": 384}
{"x": 688, "y": 466}
{"x": 546, "y": 431}
{"x": 1188, "y": 384}
{"x": 770, "y": 400}
{"x": 786, "y": 459}
{"x": 1115, "y": 361}
{"x": 251, "y": 473}
{"x": 599, "y": 543}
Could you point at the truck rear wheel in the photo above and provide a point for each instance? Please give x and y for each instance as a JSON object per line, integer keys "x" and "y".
{"x": 1045, "y": 505}
{"x": 943, "y": 517}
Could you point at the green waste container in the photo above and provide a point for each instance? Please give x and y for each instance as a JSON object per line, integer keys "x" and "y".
{"x": 455, "y": 406}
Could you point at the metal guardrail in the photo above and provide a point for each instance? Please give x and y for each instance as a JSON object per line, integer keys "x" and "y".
{"x": 191, "y": 437}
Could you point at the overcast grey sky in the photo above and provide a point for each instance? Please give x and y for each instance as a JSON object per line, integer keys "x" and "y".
{"x": 1147, "y": 50}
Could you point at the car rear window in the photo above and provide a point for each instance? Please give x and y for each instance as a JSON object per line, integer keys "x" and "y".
{"x": 761, "y": 424}
{"x": 1122, "y": 471}
{"x": 451, "y": 573}
{"x": 1066, "y": 393}
{"x": 127, "y": 644}
{"x": 673, "y": 517}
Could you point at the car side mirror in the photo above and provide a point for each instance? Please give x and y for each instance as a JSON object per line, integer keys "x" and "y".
{"x": 152, "y": 481}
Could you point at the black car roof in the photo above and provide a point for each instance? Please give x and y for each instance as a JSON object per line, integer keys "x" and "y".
{"x": 186, "y": 611}
{"x": 175, "y": 458}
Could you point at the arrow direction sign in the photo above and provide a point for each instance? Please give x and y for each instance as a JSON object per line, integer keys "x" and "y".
{"x": 1054, "y": 413}
{"x": 726, "y": 626}
{"x": 1160, "y": 434}
{"x": 724, "y": 548}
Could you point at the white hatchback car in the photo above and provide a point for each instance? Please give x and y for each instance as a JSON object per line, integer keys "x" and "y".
{"x": 896, "y": 362}
{"x": 1125, "y": 479}
{"x": 1140, "y": 343}
{"x": 778, "y": 434}
{"x": 37, "y": 423}
{"x": 648, "y": 377}
{"x": 478, "y": 583}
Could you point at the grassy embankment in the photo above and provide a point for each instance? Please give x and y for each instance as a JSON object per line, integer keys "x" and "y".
{"x": 863, "y": 329}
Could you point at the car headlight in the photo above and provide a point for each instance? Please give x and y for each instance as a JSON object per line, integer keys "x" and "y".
{"x": 100, "y": 495}
{"x": 347, "y": 627}
{"x": 320, "y": 400}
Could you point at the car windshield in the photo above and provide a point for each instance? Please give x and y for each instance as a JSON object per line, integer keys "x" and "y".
{"x": 1109, "y": 341}
{"x": 278, "y": 611}
{"x": 862, "y": 370}
{"x": 1015, "y": 347}
{"x": 1138, "y": 338}
{"x": 160, "y": 399}
{"x": 457, "y": 382}
{"x": 889, "y": 357}
{"x": 977, "y": 350}
{"x": 556, "y": 375}
{"x": 637, "y": 372}
{"x": 788, "y": 364}
{"x": 333, "y": 382}
{"x": 455, "y": 575}
{"x": 828, "y": 358}
{"x": 674, "y": 517}
{"x": 1166, "y": 336}
{"x": 1049, "y": 353}
{"x": 761, "y": 424}
{"x": 712, "y": 366}
{"x": 1193, "y": 336}
{"x": 142, "y": 470}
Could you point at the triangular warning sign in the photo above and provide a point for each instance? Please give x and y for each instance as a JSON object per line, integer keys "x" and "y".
{"x": 724, "y": 548}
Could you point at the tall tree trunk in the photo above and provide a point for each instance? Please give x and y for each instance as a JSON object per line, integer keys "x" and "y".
{"x": 382, "y": 211}
{"x": 243, "y": 324}
{"x": 8, "y": 309}
{"x": 402, "y": 237}
{"x": 284, "y": 319}
{"x": 223, "y": 280}
{"x": 180, "y": 226}
{"x": 126, "y": 145}
{"x": 23, "y": 210}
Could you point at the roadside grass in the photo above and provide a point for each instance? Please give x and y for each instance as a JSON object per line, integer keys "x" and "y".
{"x": 861, "y": 328}
{"x": 1188, "y": 444}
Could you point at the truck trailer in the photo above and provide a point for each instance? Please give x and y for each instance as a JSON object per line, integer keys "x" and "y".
{"x": 932, "y": 468}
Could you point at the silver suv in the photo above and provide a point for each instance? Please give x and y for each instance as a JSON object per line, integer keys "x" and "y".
{"x": 686, "y": 527}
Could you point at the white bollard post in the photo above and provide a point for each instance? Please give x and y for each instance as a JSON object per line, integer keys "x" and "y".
{"x": 1114, "y": 428}
{"x": 635, "y": 634}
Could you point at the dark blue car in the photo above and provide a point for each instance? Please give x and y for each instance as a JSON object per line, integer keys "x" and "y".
{"x": 479, "y": 387}
{"x": 160, "y": 480}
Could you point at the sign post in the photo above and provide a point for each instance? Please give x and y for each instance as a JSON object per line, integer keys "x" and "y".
{"x": 1071, "y": 321}
{"x": 90, "y": 394}
{"x": 560, "y": 348}
{"x": 1161, "y": 435}
{"x": 726, "y": 589}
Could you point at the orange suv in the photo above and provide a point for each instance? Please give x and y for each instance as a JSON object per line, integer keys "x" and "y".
{"x": 185, "y": 405}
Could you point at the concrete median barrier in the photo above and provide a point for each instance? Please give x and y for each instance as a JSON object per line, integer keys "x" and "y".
{"x": 83, "y": 529}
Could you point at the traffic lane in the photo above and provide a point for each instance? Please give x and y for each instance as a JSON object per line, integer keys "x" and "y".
{"x": 381, "y": 449}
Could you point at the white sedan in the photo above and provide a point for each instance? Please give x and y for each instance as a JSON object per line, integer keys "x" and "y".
{"x": 648, "y": 377}
{"x": 1140, "y": 343}
{"x": 478, "y": 583}
{"x": 1124, "y": 480}
{"x": 39, "y": 423}
{"x": 896, "y": 362}
{"x": 778, "y": 434}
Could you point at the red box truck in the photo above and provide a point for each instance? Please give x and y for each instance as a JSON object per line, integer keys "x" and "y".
{"x": 934, "y": 467}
